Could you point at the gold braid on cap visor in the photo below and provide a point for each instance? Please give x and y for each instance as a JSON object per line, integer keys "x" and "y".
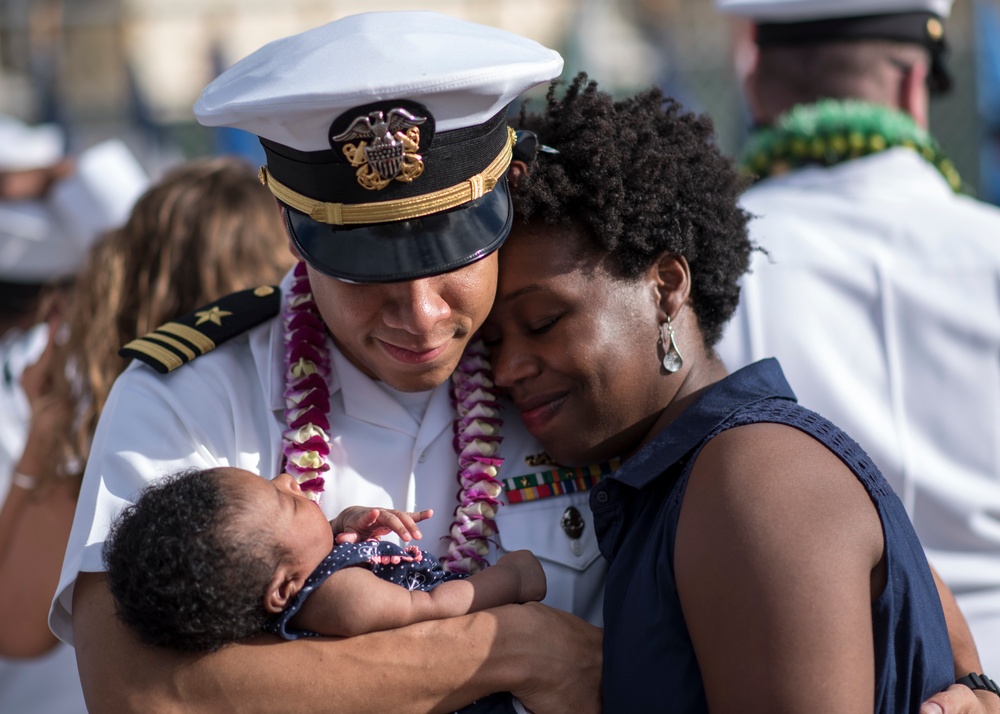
{"x": 341, "y": 214}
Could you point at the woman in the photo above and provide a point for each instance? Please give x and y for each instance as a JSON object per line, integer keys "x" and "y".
{"x": 206, "y": 229}
{"x": 758, "y": 560}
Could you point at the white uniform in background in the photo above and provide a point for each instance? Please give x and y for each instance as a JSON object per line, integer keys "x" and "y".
{"x": 227, "y": 408}
{"x": 881, "y": 298}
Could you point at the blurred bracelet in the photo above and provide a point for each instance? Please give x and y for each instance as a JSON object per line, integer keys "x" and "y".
{"x": 28, "y": 483}
{"x": 979, "y": 681}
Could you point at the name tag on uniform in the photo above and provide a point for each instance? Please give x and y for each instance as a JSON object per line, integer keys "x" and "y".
{"x": 531, "y": 487}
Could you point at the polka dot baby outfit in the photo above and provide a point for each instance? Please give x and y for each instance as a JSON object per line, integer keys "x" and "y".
{"x": 408, "y": 567}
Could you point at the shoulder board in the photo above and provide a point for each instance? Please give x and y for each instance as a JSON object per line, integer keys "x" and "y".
{"x": 176, "y": 343}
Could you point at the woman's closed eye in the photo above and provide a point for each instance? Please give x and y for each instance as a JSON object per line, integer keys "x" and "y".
{"x": 493, "y": 335}
{"x": 540, "y": 327}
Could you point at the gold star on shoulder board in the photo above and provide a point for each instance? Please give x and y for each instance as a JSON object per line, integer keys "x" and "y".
{"x": 200, "y": 331}
{"x": 213, "y": 315}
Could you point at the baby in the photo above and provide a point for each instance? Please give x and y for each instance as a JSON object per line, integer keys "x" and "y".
{"x": 207, "y": 558}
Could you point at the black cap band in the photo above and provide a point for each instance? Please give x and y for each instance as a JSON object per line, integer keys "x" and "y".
{"x": 922, "y": 28}
{"x": 454, "y": 210}
{"x": 451, "y": 158}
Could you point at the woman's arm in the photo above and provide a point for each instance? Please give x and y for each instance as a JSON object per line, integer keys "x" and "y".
{"x": 35, "y": 528}
{"x": 963, "y": 647}
{"x": 776, "y": 562}
{"x": 355, "y": 601}
{"x": 550, "y": 659}
{"x": 34, "y": 524}
{"x": 959, "y": 699}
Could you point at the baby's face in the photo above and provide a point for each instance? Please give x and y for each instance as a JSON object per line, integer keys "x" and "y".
{"x": 296, "y": 522}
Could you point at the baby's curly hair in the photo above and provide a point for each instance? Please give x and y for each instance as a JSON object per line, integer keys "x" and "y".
{"x": 642, "y": 176}
{"x": 180, "y": 575}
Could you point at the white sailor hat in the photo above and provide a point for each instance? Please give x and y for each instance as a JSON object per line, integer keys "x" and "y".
{"x": 45, "y": 240}
{"x": 789, "y": 22}
{"x": 386, "y": 137}
{"x": 24, "y": 147}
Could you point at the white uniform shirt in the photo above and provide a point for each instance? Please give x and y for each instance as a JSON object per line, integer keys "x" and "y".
{"x": 49, "y": 684}
{"x": 881, "y": 300}
{"x": 226, "y": 408}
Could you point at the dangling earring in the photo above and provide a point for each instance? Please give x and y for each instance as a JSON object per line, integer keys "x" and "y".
{"x": 672, "y": 360}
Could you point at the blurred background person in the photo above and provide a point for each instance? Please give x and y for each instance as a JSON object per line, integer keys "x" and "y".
{"x": 31, "y": 160}
{"x": 110, "y": 67}
{"x": 52, "y": 207}
{"x": 206, "y": 229}
{"x": 879, "y": 288}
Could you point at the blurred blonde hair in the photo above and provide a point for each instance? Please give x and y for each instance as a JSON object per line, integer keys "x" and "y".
{"x": 206, "y": 229}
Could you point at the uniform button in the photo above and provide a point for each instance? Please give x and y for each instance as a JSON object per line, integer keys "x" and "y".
{"x": 602, "y": 496}
{"x": 572, "y": 523}
{"x": 576, "y": 546}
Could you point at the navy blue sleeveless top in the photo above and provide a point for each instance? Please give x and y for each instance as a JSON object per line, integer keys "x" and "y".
{"x": 649, "y": 661}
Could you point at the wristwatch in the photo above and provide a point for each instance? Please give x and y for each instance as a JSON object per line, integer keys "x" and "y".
{"x": 979, "y": 681}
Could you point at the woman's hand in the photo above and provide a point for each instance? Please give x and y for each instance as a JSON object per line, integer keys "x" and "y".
{"x": 359, "y": 523}
{"x": 49, "y": 410}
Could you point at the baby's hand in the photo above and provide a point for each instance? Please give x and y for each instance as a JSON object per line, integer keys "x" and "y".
{"x": 359, "y": 523}
{"x": 530, "y": 572}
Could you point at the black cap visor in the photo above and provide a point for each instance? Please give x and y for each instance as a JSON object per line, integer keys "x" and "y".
{"x": 405, "y": 250}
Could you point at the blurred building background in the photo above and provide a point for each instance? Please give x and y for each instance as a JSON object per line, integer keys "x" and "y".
{"x": 133, "y": 68}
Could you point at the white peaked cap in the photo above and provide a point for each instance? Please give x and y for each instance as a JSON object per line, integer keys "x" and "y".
{"x": 290, "y": 90}
{"x": 23, "y": 146}
{"x": 778, "y": 11}
{"x": 353, "y": 213}
{"x": 46, "y": 240}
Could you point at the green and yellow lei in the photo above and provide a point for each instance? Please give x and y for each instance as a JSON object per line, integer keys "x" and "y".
{"x": 832, "y": 131}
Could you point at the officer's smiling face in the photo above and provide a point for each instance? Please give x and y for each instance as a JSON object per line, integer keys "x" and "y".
{"x": 409, "y": 334}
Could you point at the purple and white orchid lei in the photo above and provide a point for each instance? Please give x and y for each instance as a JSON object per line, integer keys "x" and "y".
{"x": 307, "y": 393}
{"x": 477, "y": 444}
{"x": 477, "y": 426}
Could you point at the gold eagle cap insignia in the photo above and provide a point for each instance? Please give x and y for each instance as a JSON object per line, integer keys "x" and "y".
{"x": 388, "y": 147}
